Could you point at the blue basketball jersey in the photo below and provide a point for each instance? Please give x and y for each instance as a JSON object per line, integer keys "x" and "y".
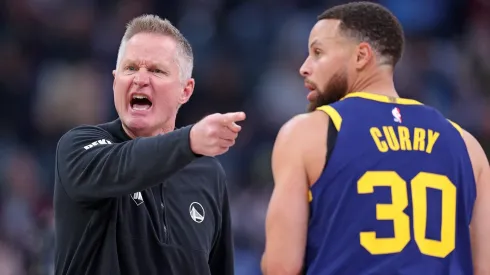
{"x": 396, "y": 194}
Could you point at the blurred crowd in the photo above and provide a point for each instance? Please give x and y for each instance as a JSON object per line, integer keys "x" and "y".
{"x": 57, "y": 57}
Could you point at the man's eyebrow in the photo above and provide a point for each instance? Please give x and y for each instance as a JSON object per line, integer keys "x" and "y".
{"x": 147, "y": 64}
{"x": 318, "y": 42}
{"x": 315, "y": 43}
{"x": 128, "y": 61}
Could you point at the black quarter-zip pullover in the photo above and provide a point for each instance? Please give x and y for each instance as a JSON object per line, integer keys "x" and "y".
{"x": 139, "y": 206}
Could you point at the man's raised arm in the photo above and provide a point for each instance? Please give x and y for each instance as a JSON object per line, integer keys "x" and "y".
{"x": 91, "y": 166}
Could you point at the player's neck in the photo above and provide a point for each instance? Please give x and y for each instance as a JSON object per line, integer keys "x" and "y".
{"x": 379, "y": 81}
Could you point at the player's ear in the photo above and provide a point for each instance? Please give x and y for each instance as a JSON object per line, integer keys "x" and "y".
{"x": 114, "y": 81}
{"x": 364, "y": 55}
{"x": 188, "y": 90}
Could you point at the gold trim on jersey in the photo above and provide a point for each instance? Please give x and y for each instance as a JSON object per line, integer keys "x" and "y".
{"x": 333, "y": 114}
{"x": 310, "y": 196}
{"x": 383, "y": 98}
{"x": 460, "y": 130}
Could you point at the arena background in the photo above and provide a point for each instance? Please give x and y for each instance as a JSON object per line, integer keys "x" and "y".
{"x": 56, "y": 60}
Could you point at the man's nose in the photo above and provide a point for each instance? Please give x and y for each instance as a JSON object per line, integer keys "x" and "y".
{"x": 304, "y": 70}
{"x": 141, "y": 78}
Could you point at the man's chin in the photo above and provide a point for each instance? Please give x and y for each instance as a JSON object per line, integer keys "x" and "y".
{"x": 138, "y": 126}
{"x": 312, "y": 98}
{"x": 323, "y": 99}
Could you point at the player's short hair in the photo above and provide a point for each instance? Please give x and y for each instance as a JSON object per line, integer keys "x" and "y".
{"x": 149, "y": 23}
{"x": 371, "y": 23}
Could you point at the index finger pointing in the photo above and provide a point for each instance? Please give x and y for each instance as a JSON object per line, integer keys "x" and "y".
{"x": 230, "y": 118}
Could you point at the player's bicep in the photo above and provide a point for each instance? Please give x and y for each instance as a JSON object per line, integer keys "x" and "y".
{"x": 287, "y": 215}
{"x": 289, "y": 204}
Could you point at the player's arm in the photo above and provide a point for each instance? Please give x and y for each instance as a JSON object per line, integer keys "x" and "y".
{"x": 221, "y": 260}
{"x": 480, "y": 222}
{"x": 102, "y": 171}
{"x": 287, "y": 215}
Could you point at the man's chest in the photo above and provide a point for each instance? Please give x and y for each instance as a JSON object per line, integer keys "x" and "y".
{"x": 180, "y": 212}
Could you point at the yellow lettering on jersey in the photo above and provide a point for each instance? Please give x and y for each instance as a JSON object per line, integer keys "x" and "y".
{"x": 419, "y": 139}
{"x": 431, "y": 140}
{"x": 376, "y": 135}
{"x": 398, "y": 139}
{"x": 404, "y": 136}
{"x": 391, "y": 138}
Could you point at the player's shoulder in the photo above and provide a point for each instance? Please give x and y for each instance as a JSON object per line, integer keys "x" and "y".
{"x": 303, "y": 132}
{"x": 475, "y": 151}
{"x": 303, "y": 124}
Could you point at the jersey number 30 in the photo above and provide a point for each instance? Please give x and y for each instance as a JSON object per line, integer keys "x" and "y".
{"x": 401, "y": 222}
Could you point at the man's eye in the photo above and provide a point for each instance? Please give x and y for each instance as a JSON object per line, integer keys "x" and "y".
{"x": 131, "y": 68}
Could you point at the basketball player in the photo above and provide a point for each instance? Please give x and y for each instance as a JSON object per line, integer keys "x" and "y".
{"x": 368, "y": 182}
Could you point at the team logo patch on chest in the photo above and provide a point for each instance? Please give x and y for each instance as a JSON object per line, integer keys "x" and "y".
{"x": 197, "y": 212}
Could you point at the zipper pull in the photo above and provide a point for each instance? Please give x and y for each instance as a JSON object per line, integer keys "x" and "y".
{"x": 165, "y": 234}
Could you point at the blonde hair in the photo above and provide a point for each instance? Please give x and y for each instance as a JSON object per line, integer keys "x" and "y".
{"x": 149, "y": 23}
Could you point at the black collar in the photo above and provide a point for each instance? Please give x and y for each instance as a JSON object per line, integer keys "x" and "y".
{"x": 116, "y": 129}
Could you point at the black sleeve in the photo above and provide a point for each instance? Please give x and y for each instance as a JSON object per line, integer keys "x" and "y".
{"x": 90, "y": 166}
{"x": 221, "y": 261}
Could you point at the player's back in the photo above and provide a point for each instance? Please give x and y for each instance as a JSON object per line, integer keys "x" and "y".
{"x": 396, "y": 195}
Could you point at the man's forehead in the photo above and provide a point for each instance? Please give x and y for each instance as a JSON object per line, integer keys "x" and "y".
{"x": 326, "y": 29}
{"x": 153, "y": 41}
{"x": 149, "y": 46}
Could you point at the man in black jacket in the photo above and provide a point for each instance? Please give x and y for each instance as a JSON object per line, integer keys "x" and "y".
{"x": 135, "y": 196}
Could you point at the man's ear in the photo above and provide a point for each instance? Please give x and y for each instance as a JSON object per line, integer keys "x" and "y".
{"x": 364, "y": 55}
{"x": 114, "y": 81}
{"x": 187, "y": 92}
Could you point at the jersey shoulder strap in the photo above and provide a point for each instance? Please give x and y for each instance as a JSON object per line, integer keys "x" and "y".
{"x": 333, "y": 114}
{"x": 455, "y": 125}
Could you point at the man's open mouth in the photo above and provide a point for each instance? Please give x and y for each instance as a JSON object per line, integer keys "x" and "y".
{"x": 140, "y": 102}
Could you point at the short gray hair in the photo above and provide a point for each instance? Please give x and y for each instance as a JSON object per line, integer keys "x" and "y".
{"x": 149, "y": 23}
